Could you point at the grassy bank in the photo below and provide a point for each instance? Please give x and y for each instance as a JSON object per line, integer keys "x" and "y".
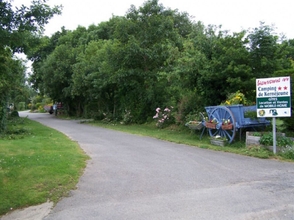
{"x": 183, "y": 135}
{"x": 36, "y": 164}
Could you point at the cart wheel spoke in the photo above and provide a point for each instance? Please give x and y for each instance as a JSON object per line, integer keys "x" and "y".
{"x": 221, "y": 113}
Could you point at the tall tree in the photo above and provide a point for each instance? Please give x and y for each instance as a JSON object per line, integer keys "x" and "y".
{"x": 54, "y": 72}
{"x": 42, "y": 47}
{"x": 148, "y": 34}
{"x": 12, "y": 81}
{"x": 17, "y": 27}
{"x": 220, "y": 63}
{"x": 230, "y": 69}
{"x": 264, "y": 50}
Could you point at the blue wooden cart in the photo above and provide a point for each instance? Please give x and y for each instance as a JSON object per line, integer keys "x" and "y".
{"x": 227, "y": 120}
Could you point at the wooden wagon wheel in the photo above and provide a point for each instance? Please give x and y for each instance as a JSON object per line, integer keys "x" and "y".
{"x": 221, "y": 113}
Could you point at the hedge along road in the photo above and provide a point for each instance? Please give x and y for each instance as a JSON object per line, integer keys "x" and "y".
{"x": 135, "y": 177}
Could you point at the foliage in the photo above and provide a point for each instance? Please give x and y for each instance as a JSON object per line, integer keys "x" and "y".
{"x": 155, "y": 56}
{"x": 17, "y": 25}
{"x": 127, "y": 117}
{"x": 226, "y": 66}
{"x": 257, "y": 151}
{"x": 282, "y": 141}
{"x": 265, "y": 53}
{"x": 256, "y": 134}
{"x": 11, "y": 82}
{"x": 15, "y": 129}
{"x": 187, "y": 107}
{"x": 281, "y": 125}
{"x": 38, "y": 102}
{"x": 18, "y": 28}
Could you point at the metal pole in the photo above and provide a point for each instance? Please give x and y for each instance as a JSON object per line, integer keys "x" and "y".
{"x": 274, "y": 136}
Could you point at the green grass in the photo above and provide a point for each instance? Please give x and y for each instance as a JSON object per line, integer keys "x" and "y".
{"x": 183, "y": 135}
{"x": 37, "y": 164}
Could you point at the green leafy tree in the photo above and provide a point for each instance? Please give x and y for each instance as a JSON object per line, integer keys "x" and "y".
{"x": 266, "y": 54}
{"x": 288, "y": 121}
{"x": 230, "y": 65}
{"x": 93, "y": 78}
{"x": 148, "y": 34}
{"x": 218, "y": 62}
{"x": 153, "y": 57}
{"x": 12, "y": 80}
{"x": 17, "y": 27}
{"x": 55, "y": 70}
{"x": 183, "y": 76}
{"x": 128, "y": 73}
{"x": 42, "y": 47}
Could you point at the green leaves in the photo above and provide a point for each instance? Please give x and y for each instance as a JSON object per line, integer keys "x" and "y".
{"x": 153, "y": 56}
{"x": 18, "y": 24}
{"x": 18, "y": 28}
{"x": 266, "y": 54}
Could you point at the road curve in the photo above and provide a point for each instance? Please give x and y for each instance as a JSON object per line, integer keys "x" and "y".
{"x": 133, "y": 177}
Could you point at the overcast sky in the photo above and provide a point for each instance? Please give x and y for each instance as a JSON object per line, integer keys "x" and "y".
{"x": 233, "y": 15}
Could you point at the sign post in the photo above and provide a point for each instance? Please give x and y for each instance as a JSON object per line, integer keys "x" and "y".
{"x": 273, "y": 99}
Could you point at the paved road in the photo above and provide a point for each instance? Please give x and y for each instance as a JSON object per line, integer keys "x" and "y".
{"x": 132, "y": 177}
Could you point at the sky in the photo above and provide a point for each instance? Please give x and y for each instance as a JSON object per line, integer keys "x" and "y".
{"x": 233, "y": 15}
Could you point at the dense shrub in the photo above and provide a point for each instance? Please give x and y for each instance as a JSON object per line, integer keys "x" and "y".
{"x": 282, "y": 141}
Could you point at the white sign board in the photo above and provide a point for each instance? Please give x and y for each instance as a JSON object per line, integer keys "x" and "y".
{"x": 273, "y": 97}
